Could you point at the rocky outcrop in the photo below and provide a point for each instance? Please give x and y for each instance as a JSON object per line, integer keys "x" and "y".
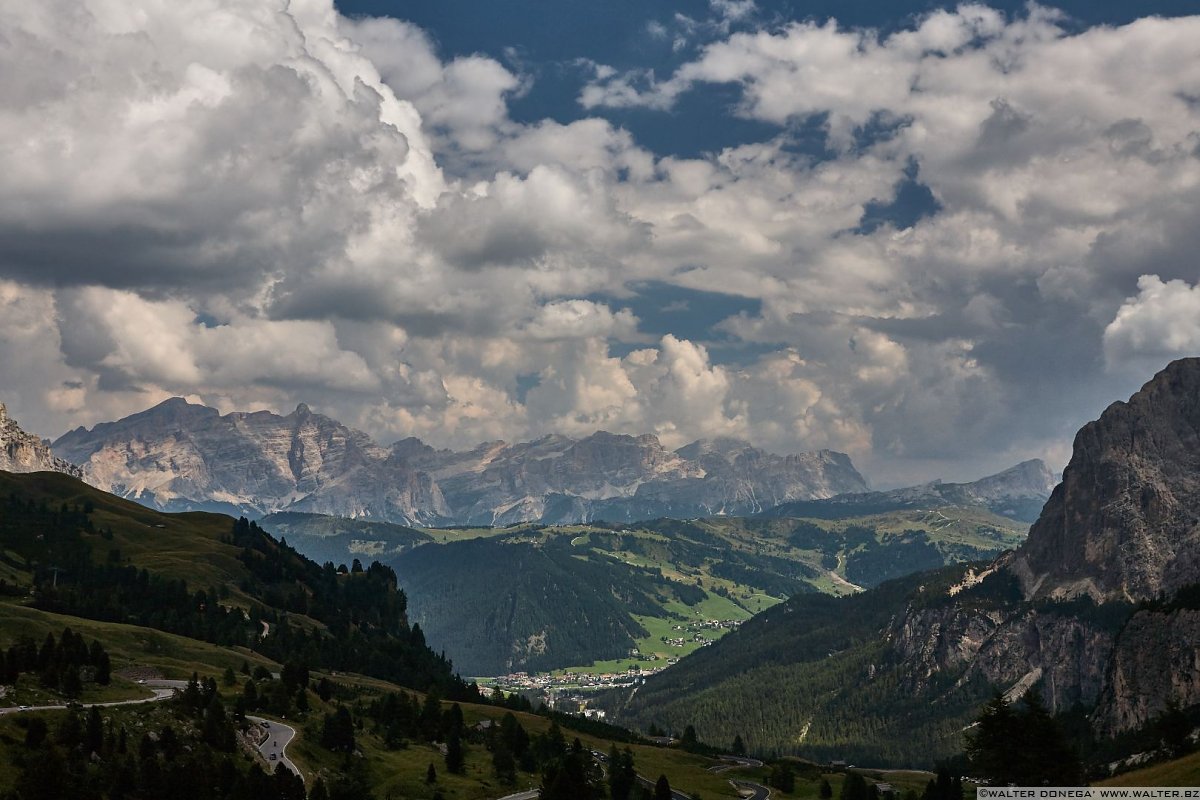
{"x": 1065, "y": 656}
{"x": 1156, "y": 661}
{"x": 24, "y": 452}
{"x": 179, "y": 455}
{"x": 1125, "y": 521}
{"x": 1121, "y": 528}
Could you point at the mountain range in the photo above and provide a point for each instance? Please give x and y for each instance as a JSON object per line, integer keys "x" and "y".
{"x": 181, "y": 456}
{"x": 1017, "y": 493}
{"x": 1098, "y": 609}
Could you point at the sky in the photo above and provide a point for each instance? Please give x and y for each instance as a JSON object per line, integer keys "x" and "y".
{"x": 936, "y": 237}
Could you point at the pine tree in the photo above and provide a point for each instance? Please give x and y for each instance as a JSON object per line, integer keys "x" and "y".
{"x": 454, "y": 753}
{"x": 855, "y": 788}
{"x": 739, "y": 747}
{"x": 1174, "y": 728}
{"x": 503, "y": 764}
{"x": 662, "y": 788}
{"x": 431, "y": 774}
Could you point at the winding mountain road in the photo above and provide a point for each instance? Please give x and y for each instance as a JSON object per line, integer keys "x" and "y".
{"x": 163, "y": 690}
{"x": 760, "y": 792}
{"x": 274, "y": 747}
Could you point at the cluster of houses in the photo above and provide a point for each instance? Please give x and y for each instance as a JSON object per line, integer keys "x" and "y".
{"x": 518, "y": 681}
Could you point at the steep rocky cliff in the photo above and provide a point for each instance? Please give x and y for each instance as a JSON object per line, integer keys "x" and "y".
{"x": 179, "y": 455}
{"x": 1120, "y": 529}
{"x": 24, "y": 452}
{"x": 1125, "y": 521}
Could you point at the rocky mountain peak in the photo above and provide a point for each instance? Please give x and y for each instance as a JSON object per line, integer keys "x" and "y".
{"x": 25, "y": 452}
{"x": 1031, "y": 478}
{"x": 722, "y": 445}
{"x": 1125, "y": 521}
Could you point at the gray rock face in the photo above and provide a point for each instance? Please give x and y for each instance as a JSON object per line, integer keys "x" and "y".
{"x": 24, "y": 452}
{"x": 624, "y": 478}
{"x": 179, "y": 455}
{"x": 1155, "y": 661}
{"x": 1125, "y": 521}
{"x": 1120, "y": 528}
{"x": 1065, "y": 656}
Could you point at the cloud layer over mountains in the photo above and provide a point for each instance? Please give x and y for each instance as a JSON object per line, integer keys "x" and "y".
{"x": 254, "y": 203}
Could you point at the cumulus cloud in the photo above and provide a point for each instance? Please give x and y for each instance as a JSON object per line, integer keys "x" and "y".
{"x": 256, "y": 203}
{"x": 1160, "y": 322}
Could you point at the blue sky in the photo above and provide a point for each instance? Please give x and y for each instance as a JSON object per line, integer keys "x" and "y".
{"x": 546, "y": 41}
{"x": 938, "y": 238}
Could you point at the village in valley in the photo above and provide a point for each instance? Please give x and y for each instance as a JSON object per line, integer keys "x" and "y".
{"x": 568, "y": 689}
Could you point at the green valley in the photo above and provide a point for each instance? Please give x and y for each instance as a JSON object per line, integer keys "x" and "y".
{"x": 602, "y": 598}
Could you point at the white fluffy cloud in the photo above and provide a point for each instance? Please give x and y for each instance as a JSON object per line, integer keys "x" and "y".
{"x": 256, "y": 203}
{"x": 1160, "y": 322}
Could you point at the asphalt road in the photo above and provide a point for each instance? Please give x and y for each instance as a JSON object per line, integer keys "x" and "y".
{"x": 162, "y": 690}
{"x": 279, "y": 736}
{"x": 735, "y": 762}
{"x": 760, "y": 792}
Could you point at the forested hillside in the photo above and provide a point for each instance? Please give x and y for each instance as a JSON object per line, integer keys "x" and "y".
{"x": 810, "y": 676}
{"x": 78, "y": 551}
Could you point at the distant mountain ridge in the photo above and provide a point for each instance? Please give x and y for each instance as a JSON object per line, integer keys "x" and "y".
{"x": 1017, "y": 493}
{"x": 182, "y": 456}
{"x": 25, "y": 452}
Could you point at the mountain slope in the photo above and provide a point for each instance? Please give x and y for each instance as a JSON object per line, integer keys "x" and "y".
{"x": 75, "y": 550}
{"x": 1017, "y": 493}
{"x": 341, "y": 540}
{"x": 180, "y": 456}
{"x": 24, "y": 452}
{"x": 911, "y": 676}
{"x": 533, "y": 598}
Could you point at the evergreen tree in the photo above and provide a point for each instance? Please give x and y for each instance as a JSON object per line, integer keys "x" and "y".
{"x": 503, "y": 763}
{"x": 688, "y": 739}
{"x": 1023, "y": 746}
{"x": 662, "y": 787}
{"x": 337, "y": 733}
{"x": 991, "y": 746}
{"x": 431, "y": 774}
{"x": 782, "y": 777}
{"x": 94, "y": 737}
{"x": 739, "y": 747}
{"x": 1174, "y": 729}
{"x": 855, "y": 788}
{"x": 455, "y": 759}
{"x": 826, "y": 791}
